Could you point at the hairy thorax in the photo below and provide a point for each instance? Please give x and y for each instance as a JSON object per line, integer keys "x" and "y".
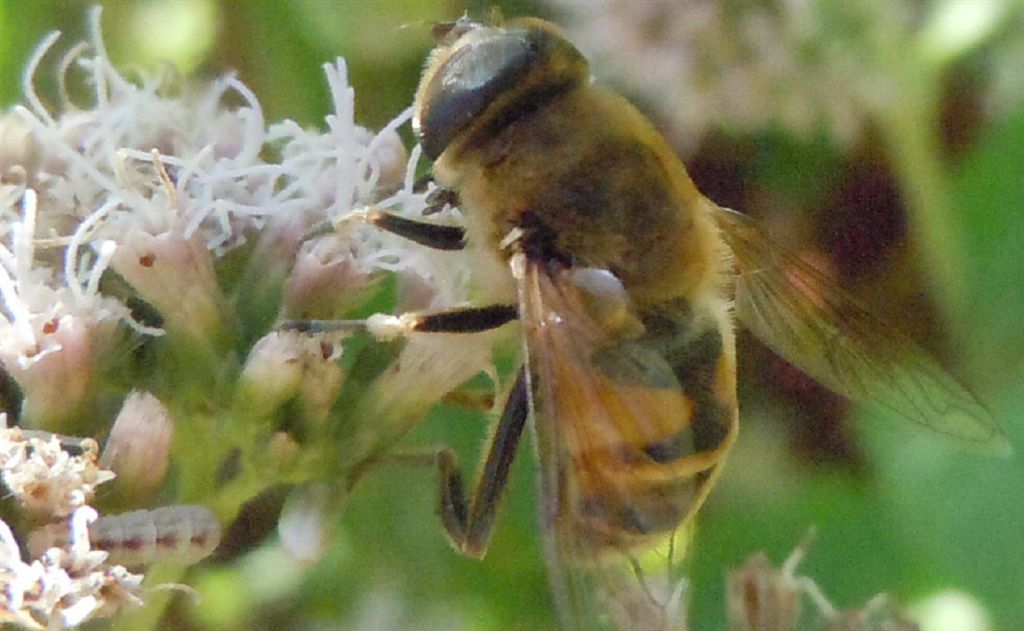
{"x": 606, "y": 194}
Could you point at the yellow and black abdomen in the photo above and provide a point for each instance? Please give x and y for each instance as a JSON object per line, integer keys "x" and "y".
{"x": 672, "y": 440}
{"x": 643, "y": 404}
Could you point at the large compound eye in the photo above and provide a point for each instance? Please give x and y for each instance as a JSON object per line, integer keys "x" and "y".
{"x": 472, "y": 78}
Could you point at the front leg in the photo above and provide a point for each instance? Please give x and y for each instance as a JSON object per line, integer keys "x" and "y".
{"x": 438, "y": 198}
{"x": 431, "y": 235}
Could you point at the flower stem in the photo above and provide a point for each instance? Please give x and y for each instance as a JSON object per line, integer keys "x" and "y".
{"x": 910, "y": 128}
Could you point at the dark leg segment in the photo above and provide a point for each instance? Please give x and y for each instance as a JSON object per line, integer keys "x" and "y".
{"x": 468, "y": 521}
{"x": 469, "y": 524}
{"x": 431, "y": 235}
{"x": 465, "y": 319}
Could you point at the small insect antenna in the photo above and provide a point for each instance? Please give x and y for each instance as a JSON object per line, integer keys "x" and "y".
{"x": 417, "y": 24}
{"x": 448, "y": 32}
{"x": 443, "y": 32}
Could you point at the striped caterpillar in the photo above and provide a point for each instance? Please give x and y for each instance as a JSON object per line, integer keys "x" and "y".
{"x": 182, "y": 534}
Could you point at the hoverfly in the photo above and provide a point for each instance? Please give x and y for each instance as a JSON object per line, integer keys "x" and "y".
{"x": 625, "y": 281}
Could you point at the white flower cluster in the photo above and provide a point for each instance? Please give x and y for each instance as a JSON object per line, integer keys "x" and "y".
{"x": 164, "y": 220}
{"x": 156, "y": 182}
{"x": 809, "y": 68}
{"x": 710, "y": 65}
{"x": 119, "y": 219}
{"x": 758, "y": 592}
{"x": 46, "y": 479}
{"x": 64, "y": 587}
{"x": 72, "y": 583}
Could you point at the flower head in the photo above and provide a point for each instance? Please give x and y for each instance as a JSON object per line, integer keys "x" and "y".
{"x": 43, "y": 477}
{"x": 151, "y": 238}
{"x": 65, "y": 586}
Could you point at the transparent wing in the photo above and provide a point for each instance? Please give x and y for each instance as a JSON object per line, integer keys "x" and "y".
{"x": 614, "y": 504}
{"x": 810, "y": 321}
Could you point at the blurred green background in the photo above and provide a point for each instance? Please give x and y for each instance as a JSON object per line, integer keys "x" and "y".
{"x": 895, "y": 511}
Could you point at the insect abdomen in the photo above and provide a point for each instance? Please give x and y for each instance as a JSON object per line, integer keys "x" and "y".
{"x": 644, "y": 488}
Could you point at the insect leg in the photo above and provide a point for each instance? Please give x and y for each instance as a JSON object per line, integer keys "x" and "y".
{"x": 438, "y": 198}
{"x": 431, "y": 235}
{"x": 462, "y": 319}
{"x": 387, "y": 327}
{"x": 468, "y": 520}
{"x": 469, "y": 523}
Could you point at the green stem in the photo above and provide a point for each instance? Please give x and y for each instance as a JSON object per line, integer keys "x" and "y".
{"x": 910, "y": 128}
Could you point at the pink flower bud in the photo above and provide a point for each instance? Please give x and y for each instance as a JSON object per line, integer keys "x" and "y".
{"x": 329, "y": 279}
{"x": 139, "y": 446}
{"x": 284, "y": 364}
{"x": 175, "y": 274}
{"x": 57, "y": 374}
